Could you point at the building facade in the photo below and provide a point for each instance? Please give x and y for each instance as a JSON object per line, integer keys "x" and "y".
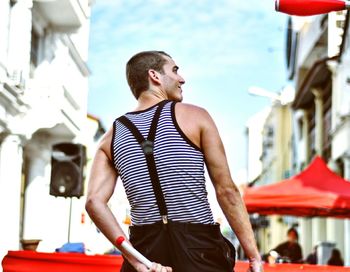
{"x": 43, "y": 101}
{"x": 317, "y": 51}
{"x": 254, "y": 133}
{"x": 273, "y": 148}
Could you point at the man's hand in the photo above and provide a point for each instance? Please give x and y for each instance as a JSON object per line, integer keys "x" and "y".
{"x": 155, "y": 268}
{"x": 255, "y": 266}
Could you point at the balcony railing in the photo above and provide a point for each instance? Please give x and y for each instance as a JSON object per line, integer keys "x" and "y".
{"x": 53, "y": 103}
{"x": 64, "y": 13}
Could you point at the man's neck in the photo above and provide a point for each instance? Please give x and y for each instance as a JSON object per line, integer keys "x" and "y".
{"x": 148, "y": 99}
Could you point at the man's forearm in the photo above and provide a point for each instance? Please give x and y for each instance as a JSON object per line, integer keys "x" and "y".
{"x": 106, "y": 222}
{"x": 235, "y": 211}
{"x": 104, "y": 219}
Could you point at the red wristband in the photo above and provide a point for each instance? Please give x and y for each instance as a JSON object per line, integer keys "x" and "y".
{"x": 120, "y": 240}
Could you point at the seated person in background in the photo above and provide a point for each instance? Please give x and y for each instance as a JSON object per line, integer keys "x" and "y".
{"x": 289, "y": 250}
{"x": 312, "y": 257}
{"x": 336, "y": 258}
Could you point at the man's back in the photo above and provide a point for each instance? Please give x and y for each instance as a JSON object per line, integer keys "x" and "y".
{"x": 191, "y": 120}
{"x": 153, "y": 77}
{"x": 180, "y": 168}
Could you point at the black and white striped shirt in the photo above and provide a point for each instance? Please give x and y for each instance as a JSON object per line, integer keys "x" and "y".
{"x": 180, "y": 166}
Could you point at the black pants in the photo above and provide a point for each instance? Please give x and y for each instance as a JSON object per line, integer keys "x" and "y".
{"x": 185, "y": 247}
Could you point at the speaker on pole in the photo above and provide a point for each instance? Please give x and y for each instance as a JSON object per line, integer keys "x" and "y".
{"x": 67, "y": 170}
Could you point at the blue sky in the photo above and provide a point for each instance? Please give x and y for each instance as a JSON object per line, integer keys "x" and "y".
{"x": 222, "y": 47}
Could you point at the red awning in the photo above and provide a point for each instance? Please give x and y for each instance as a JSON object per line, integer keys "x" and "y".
{"x": 31, "y": 261}
{"x": 316, "y": 191}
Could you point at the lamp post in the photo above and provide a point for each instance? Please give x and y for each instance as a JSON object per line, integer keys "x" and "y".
{"x": 258, "y": 91}
{"x": 285, "y": 97}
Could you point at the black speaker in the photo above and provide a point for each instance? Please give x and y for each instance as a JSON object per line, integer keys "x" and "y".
{"x": 67, "y": 170}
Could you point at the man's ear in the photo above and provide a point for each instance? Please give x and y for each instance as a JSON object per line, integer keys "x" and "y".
{"x": 154, "y": 76}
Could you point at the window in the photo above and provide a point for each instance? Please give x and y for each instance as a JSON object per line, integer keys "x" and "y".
{"x": 300, "y": 123}
{"x": 34, "y": 52}
{"x": 34, "y": 49}
{"x": 327, "y": 124}
{"x": 340, "y": 167}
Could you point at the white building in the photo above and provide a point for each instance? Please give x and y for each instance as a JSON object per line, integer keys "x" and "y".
{"x": 254, "y": 132}
{"x": 43, "y": 100}
{"x": 318, "y": 62}
{"x": 269, "y": 160}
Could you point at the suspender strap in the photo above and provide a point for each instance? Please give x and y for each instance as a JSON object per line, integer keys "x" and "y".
{"x": 153, "y": 128}
{"x": 129, "y": 125}
{"x": 147, "y": 146}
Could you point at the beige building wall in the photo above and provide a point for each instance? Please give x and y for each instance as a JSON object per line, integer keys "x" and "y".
{"x": 318, "y": 41}
{"x": 276, "y": 166}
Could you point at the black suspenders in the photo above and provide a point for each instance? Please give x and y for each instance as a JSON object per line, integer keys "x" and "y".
{"x": 147, "y": 147}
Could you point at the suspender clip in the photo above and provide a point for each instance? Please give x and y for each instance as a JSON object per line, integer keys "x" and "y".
{"x": 147, "y": 147}
{"x": 165, "y": 219}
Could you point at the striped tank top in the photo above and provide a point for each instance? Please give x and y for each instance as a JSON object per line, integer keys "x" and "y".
{"x": 180, "y": 166}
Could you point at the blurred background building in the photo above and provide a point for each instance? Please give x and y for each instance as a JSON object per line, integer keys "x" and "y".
{"x": 316, "y": 122}
{"x": 43, "y": 101}
{"x": 274, "y": 150}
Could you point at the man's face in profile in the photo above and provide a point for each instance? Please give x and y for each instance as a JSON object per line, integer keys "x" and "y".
{"x": 172, "y": 81}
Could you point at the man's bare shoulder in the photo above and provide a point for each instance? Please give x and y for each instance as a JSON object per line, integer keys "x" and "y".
{"x": 191, "y": 109}
{"x": 105, "y": 143}
{"x": 193, "y": 113}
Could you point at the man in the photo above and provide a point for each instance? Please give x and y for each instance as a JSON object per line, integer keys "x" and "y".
{"x": 290, "y": 249}
{"x": 185, "y": 138}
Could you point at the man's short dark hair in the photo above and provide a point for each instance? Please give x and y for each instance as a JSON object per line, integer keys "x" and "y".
{"x": 138, "y": 66}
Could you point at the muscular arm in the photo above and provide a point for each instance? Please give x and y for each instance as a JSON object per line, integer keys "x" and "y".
{"x": 227, "y": 192}
{"x": 102, "y": 182}
{"x": 101, "y": 187}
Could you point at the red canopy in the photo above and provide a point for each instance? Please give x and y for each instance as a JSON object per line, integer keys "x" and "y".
{"x": 316, "y": 191}
{"x": 31, "y": 261}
